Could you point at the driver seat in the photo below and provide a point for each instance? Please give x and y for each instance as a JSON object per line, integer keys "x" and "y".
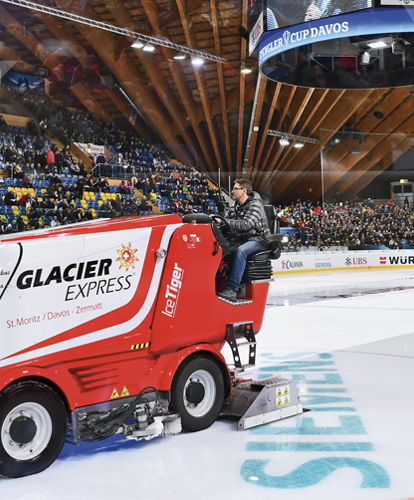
{"x": 258, "y": 265}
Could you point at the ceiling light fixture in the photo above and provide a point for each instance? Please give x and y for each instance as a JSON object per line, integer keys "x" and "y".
{"x": 197, "y": 61}
{"x": 245, "y": 68}
{"x": 137, "y": 44}
{"x": 179, "y": 57}
{"x": 365, "y": 58}
{"x": 284, "y": 142}
{"x": 298, "y": 145}
{"x": 379, "y": 44}
{"x": 148, "y": 48}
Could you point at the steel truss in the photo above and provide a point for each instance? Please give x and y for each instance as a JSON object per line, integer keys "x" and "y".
{"x": 163, "y": 42}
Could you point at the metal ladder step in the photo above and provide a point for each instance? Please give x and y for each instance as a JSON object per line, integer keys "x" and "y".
{"x": 244, "y": 332}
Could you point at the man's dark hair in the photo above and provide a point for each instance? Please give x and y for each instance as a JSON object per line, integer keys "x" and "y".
{"x": 244, "y": 183}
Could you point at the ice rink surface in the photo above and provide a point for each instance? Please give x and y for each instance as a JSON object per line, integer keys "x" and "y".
{"x": 348, "y": 341}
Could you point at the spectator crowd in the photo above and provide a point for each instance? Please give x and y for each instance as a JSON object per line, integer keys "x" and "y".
{"x": 45, "y": 185}
{"x": 351, "y": 224}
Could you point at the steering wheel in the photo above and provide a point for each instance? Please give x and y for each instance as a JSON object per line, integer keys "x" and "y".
{"x": 223, "y": 225}
{"x": 221, "y": 231}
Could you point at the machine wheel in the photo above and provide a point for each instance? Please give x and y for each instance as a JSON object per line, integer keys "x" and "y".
{"x": 33, "y": 424}
{"x": 198, "y": 393}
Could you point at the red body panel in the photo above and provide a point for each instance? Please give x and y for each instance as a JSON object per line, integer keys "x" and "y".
{"x": 195, "y": 314}
{"x": 184, "y": 317}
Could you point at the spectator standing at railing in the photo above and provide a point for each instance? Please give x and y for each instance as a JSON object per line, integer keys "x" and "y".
{"x": 50, "y": 160}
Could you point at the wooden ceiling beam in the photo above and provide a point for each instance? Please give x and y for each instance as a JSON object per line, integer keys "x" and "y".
{"x": 283, "y": 152}
{"x": 217, "y": 45}
{"x": 203, "y": 151}
{"x": 60, "y": 31}
{"x": 127, "y": 74}
{"x": 242, "y": 90}
{"x": 379, "y": 160}
{"x": 255, "y": 122}
{"x": 191, "y": 42}
{"x": 338, "y": 160}
{"x": 303, "y": 128}
{"x": 275, "y": 140}
{"x": 281, "y": 177}
{"x": 394, "y": 128}
{"x": 154, "y": 74}
{"x": 337, "y": 116}
{"x": 264, "y": 136}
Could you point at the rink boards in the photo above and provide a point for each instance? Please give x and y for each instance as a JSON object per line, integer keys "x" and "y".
{"x": 316, "y": 262}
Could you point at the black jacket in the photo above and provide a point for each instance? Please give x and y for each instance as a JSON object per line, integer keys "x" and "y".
{"x": 248, "y": 220}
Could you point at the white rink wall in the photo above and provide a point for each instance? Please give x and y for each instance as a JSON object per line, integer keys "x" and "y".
{"x": 314, "y": 262}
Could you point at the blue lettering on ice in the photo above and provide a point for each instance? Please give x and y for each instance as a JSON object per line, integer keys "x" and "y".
{"x": 291, "y": 446}
{"x": 329, "y": 378}
{"x": 317, "y": 399}
{"x": 306, "y": 426}
{"x": 314, "y": 471}
{"x": 309, "y": 400}
{"x": 299, "y": 366}
{"x": 333, "y": 408}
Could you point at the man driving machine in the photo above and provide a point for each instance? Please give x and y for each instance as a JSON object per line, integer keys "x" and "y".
{"x": 249, "y": 231}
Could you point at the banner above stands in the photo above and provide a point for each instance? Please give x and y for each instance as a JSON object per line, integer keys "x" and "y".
{"x": 313, "y": 262}
{"x": 91, "y": 149}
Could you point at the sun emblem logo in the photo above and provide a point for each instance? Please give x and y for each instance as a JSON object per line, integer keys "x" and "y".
{"x": 127, "y": 257}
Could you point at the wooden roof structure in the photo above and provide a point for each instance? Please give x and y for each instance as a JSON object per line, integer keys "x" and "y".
{"x": 213, "y": 116}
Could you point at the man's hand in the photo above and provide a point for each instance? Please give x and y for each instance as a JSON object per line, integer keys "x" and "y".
{"x": 217, "y": 220}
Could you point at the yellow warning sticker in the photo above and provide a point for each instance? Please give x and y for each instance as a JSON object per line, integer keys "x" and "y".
{"x": 124, "y": 392}
{"x": 286, "y": 391}
{"x": 115, "y": 394}
{"x": 279, "y": 392}
{"x": 279, "y": 402}
{"x": 286, "y": 401}
{"x": 144, "y": 345}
